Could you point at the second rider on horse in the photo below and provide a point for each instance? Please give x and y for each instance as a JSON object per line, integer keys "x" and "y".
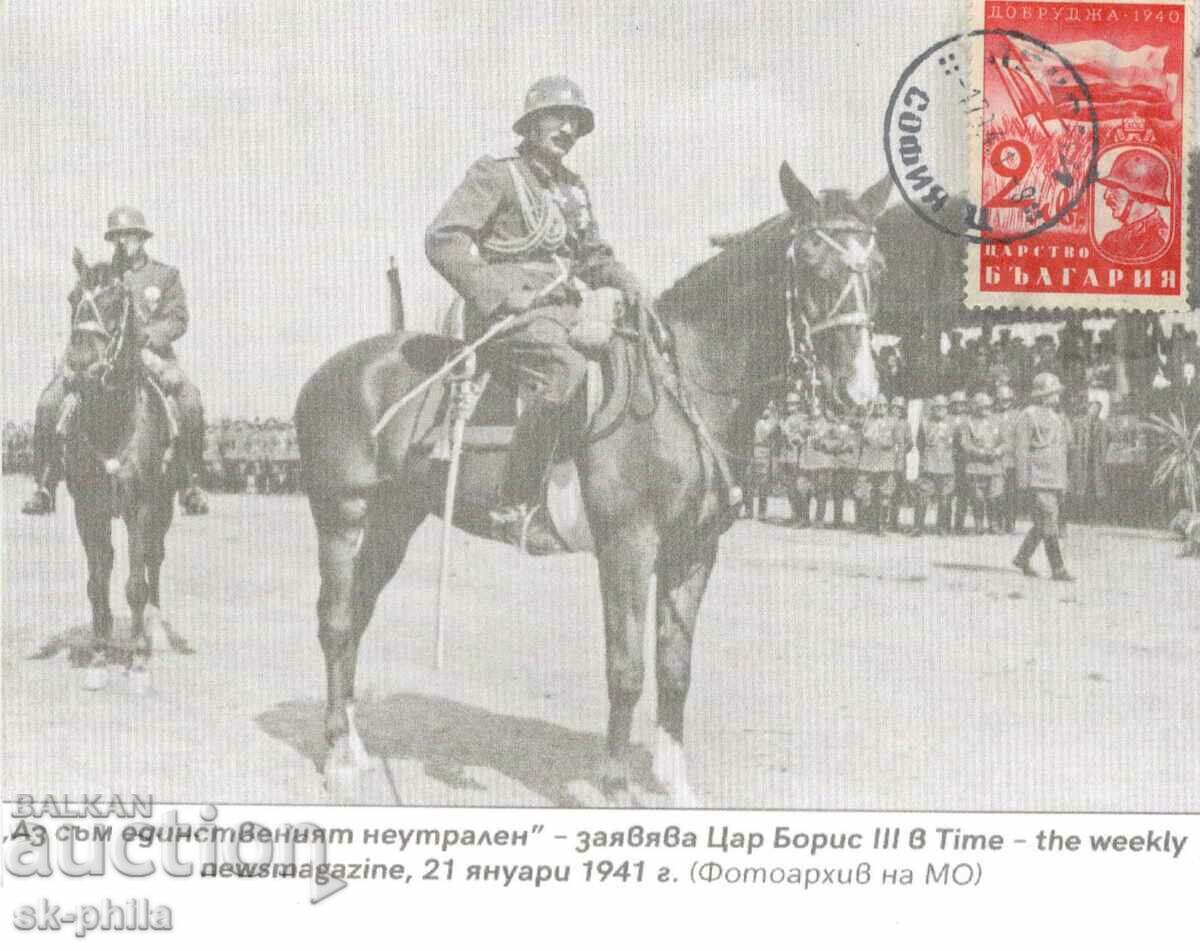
{"x": 518, "y": 237}
{"x": 158, "y": 294}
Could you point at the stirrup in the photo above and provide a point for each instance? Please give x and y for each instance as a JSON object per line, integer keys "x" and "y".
{"x": 40, "y": 503}
{"x": 525, "y": 528}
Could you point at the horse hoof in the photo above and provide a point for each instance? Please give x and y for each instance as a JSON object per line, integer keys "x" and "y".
{"x": 139, "y": 682}
{"x": 154, "y": 628}
{"x": 95, "y": 678}
{"x": 345, "y": 770}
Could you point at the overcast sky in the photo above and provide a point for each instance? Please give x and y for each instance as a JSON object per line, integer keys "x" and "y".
{"x": 283, "y": 151}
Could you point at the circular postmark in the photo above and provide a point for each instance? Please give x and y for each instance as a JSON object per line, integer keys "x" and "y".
{"x": 992, "y": 136}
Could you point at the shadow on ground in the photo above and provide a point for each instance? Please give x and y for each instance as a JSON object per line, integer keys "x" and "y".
{"x": 447, "y": 737}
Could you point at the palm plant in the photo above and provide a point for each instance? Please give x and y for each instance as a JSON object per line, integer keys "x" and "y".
{"x": 1177, "y": 457}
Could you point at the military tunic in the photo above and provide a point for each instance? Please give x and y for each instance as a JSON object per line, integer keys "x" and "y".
{"x": 517, "y": 224}
{"x": 1043, "y": 437}
{"x": 935, "y": 444}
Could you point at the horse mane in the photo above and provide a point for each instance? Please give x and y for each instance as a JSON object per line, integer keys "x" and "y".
{"x": 741, "y": 260}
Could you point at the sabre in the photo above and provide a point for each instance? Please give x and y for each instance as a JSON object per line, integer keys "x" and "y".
{"x": 461, "y": 411}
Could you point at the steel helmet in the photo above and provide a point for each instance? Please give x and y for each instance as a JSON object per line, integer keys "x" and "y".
{"x": 559, "y": 92}
{"x": 125, "y": 219}
{"x": 982, "y": 399}
{"x": 958, "y": 396}
{"x": 1143, "y": 173}
{"x": 1004, "y": 394}
{"x": 1045, "y": 384}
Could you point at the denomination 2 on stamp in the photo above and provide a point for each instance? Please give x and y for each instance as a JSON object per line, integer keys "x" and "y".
{"x": 1104, "y": 86}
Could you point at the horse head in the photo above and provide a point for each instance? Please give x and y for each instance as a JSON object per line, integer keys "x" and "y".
{"x": 105, "y": 327}
{"x": 834, "y": 269}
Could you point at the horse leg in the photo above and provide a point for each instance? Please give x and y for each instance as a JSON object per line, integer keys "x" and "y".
{"x": 626, "y": 566}
{"x": 361, "y": 546}
{"x": 156, "y": 552}
{"x": 95, "y": 531}
{"x": 137, "y": 593}
{"x": 681, "y": 587}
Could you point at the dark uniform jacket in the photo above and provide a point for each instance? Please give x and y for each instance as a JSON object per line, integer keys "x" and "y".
{"x": 1043, "y": 440}
{"x": 983, "y": 446}
{"x": 485, "y": 241}
{"x": 935, "y": 442}
{"x": 160, "y": 298}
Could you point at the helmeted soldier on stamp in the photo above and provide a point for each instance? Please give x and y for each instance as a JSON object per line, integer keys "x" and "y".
{"x": 1135, "y": 188}
{"x": 159, "y": 294}
{"x": 935, "y": 445}
{"x": 982, "y": 441}
{"x": 518, "y": 236}
{"x": 1043, "y": 438}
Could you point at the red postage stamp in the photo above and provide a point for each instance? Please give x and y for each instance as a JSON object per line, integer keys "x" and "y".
{"x": 1079, "y": 168}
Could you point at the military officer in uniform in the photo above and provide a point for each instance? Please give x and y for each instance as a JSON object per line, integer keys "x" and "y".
{"x": 962, "y": 491}
{"x": 935, "y": 445}
{"x": 1006, "y": 416}
{"x": 814, "y": 466}
{"x": 794, "y": 431}
{"x": 847, "y": 437}
{"x": 1135, "y": 188}
{"x": 982, "y": 441}
{"x": 757, "y": 491}
{"x": 514, "y": 238}
{"x": 876, "y": 484}
{"x": 904, "y": 443}
{"x": 1043, "y": 436}
{"x": 159, "y": 296}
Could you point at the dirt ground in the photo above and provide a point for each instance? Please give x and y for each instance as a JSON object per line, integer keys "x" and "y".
{"x": 831, "y": 670}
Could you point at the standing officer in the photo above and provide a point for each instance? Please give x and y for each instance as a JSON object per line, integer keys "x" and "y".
{"x": 904, "y": 443}
{"x": 962, "y": 490}
{"x": 935, "y": 443}
{"x": 1007, "y": 415}
{"x": 158, "y": 294}
{"x": 982, "y": 441}
{"x": 794, "y": 432}
{"x": 876, "y": 469}
{"x": 812, "y": 467}
{"x": 1043, "y": 437}
{"x": 504, "y": 240}
{"x": 758, "y": 482}
{"x": 847, "y": 436}
{"x": 820, "y": 458}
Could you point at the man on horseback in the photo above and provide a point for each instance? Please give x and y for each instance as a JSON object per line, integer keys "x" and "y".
{"x": 160, "y": 298}
{"x": 518, "y": 237}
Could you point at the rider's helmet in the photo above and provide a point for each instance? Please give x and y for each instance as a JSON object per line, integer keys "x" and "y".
{"x": 125, "y": 220}
{"x": 555, "y": 92}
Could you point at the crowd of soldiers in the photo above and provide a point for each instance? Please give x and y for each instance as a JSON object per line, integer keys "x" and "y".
{"x": 239, "y": 455}
{"x": 822, "y": 458}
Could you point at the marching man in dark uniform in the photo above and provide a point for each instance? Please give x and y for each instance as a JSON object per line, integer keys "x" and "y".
{"x": 159, "y": 295}
{"x": 982, "y": 441}
{"x": 1043, "y": 438}
{"x": 521, "y": 224}
{"x": 935, "y": 443}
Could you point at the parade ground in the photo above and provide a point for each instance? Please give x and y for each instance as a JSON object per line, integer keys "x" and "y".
{"x": 831, "y": 670}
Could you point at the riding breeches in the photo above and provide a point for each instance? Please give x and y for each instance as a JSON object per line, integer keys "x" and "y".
{"x": 539, "y": 356}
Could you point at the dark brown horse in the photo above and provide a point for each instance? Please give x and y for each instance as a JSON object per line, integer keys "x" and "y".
{"x": 798, "y": 286}
{"x": 117, "y": 465}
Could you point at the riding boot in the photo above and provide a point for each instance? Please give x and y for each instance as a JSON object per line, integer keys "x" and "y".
{"x": 1058, "y": 570}
{"x": 1025, "y": 552}
{"x": 47, "y": 457}
{"x": 519, "y": 520}
{"x": 191, "y": 450}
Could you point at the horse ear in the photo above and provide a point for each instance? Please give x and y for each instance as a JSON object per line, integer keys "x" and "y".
{"x": 875, "y": 198}
{"x": 80, "y": 264}
{"x": 799, "y": 199}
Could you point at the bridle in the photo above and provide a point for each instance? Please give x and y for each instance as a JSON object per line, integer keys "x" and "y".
{"x": 103, "y": 368}
{"x": 802, "y": 361}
